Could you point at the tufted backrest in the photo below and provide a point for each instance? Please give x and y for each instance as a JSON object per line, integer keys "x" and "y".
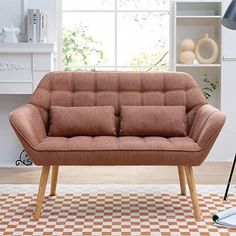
{"x": 118, "y": 88}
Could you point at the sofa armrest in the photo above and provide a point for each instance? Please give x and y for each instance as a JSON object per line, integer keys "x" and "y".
{"x": 28, "y": 124}
{"x": 207, "y": 124}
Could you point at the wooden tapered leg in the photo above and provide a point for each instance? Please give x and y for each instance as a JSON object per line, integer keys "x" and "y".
{"x": 41, "y": 191}
{"x": 193, "y": 192}
{"x": 182, "y": 180}
{"x": 54, "y": 180}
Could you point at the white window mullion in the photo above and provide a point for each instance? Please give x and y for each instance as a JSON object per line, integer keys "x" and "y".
{"x": 118, "y": 11}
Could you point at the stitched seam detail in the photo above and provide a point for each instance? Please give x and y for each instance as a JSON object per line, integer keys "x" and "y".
{"x": 204, "y": 124}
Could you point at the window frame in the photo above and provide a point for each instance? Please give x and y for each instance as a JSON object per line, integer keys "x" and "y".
{"x": 115, "y": 67}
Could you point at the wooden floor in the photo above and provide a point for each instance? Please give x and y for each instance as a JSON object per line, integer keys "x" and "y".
{"x": 208, "y": 173}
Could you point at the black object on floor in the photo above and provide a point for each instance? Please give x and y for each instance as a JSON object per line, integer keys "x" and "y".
{"x": 230, "y": 178}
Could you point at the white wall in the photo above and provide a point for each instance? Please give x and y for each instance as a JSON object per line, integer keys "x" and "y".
{"x": 49, "y": 6}
{"x": 224, "y": 148}
{"x": 9, "y": 145}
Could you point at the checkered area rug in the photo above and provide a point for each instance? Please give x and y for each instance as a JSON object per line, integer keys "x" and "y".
{"x": 112, "y": 210}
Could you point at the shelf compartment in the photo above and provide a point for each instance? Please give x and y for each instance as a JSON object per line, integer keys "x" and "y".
{"x": 196, "y": 29}
{"x": 198, "y": 8}
{"x": 192, "y": 20}
{"x": 213, "y": 74}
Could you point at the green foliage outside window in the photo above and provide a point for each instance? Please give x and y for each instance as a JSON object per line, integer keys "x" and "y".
{"x": 79, "y": 48}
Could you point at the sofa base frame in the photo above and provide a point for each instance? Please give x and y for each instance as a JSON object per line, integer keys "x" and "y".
{"x": 182, "y": 170}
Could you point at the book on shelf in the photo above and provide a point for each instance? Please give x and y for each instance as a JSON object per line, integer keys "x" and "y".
{"x": 43, "y": 28}
{"x": 36, "y": 26}
{"x": 30, "y": 25}
{"x": 226, "y": 218}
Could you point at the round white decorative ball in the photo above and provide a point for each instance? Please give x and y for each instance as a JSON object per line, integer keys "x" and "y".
{"x": 186, "y": 57}
{"x": 187, "y": 45}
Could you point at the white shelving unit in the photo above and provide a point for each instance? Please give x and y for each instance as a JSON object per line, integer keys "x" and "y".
{"x": 192, "y": 19}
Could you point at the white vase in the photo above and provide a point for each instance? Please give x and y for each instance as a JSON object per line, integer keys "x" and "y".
{"x": 187, "y": 45}
{"x": 187, "y": 57}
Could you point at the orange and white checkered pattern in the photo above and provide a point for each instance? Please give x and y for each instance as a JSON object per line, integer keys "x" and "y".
{"x": 112, "y": 210}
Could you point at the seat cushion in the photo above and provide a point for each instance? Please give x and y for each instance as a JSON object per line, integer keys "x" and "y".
{"x": 108, "y": 150}
{"x": 73, "y": 121}
{"x": 165, "y": 121}
{"x": 87, "y": 143}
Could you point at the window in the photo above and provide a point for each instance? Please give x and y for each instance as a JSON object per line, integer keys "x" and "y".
{"x": 115, "y": 35}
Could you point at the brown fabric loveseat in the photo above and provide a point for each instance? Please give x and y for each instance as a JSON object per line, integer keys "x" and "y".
{"x": 87, "y": 89}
